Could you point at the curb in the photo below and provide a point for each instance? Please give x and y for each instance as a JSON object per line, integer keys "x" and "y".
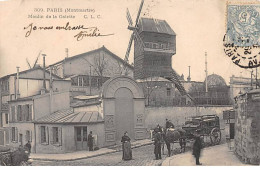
{"x": 80, "y": 158}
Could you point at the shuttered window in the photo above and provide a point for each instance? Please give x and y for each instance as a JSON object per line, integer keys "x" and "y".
{"x": 13, "y": 113}
{"x": 30, "y": 112}
{"x": 19, "y": 113}
{"x": 14, "y": 134}
{"x": 44, "y": 134}
{"x": 56, "y": 136}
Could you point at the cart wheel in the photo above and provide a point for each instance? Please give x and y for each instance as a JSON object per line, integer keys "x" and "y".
{"x": 215, "y": 136}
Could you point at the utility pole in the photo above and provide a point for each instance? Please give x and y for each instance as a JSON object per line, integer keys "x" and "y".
{"x": 90, "y": 80}
{"x": 44, "y": 80}
{"x": 51, "y": 89}
{"x": 17, "y": 79}
{"x": 206, "y": 71}
{"x": 256, "y": 77}
{"x": 206, "y": 79}
{"x": 251, "y": 79}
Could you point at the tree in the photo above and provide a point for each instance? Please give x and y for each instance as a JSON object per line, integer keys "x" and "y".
{"x": 100, "y": 65}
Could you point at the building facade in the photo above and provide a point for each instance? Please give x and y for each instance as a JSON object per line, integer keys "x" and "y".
{"x": 25, "y": 112}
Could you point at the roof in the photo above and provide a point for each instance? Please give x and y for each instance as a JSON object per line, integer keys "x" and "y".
{"x": 29, "y": 70}
{"x": 155, "y": 25}
{"x": 82, "y": 103}
{"x": 157, "y": 79}
{"x": 215, "y": 80}
{"x": 84, "y": 97}
{"x": 22, "y": 99}
{"x": 103, "y": 48}
{"x": 68, "y": 116}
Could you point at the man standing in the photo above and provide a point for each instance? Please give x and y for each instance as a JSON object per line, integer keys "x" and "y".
{"x": 197, "y": 146}
{"x": 157, "y": 144}
{"x": 28, "y": 146}
{"x": 169, "y": 124}
{"x": 90, "y": 141}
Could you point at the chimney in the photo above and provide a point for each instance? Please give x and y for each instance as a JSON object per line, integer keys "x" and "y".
{"x": 44, "y": 79}
{"x": 17, "y": 83}
{"x": 67, "y": 52}
{"x": 189, "y": 79}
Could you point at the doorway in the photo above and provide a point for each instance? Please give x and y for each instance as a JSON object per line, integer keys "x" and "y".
{"x": 124, "y": 113}
{"x": 21, "y": 139}
{"x": 81, "y": 138}
{"x": 232, "y": 130}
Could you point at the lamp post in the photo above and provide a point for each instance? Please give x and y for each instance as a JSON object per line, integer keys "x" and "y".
{"x": 44, "y": 81}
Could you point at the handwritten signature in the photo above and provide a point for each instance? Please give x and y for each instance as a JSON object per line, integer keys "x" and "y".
{"x": 88, "y": 31}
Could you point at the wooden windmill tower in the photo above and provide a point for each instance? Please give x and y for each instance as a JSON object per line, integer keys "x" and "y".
{"x": 154, "y": 46}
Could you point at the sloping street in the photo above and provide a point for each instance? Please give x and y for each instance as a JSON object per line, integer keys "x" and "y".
{"x": 142, "y": 156}
{"x": 218, "y": 155}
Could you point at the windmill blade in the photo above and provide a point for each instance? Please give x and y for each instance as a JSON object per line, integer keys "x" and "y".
{"x": 129, "y": 47}
{"x": 37, "y": 59}
{"x": 128, "y": 16}
{"x": 28, "y": 63}
{"x": 139, "y": 12}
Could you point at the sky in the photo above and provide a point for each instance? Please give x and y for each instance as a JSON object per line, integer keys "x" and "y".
{"x": 199, "y": 24}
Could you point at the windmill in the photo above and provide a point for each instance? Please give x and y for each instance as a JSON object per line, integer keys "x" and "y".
{"x": 135, "y": 34}
{"x": 35, "y": 62}
{"x": 154, "y": 58}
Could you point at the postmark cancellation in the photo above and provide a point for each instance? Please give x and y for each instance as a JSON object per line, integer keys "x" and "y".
{"x": 242, "y": 39}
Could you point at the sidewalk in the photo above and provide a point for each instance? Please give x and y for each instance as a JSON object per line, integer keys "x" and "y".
{"x": 218, "y": 155}
{"x": 77, "y": 155}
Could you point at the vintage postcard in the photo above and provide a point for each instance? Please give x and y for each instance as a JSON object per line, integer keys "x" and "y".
{"x": 129, "y": 82}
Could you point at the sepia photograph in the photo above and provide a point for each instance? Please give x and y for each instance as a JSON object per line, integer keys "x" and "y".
{"x": 130, "y": 83}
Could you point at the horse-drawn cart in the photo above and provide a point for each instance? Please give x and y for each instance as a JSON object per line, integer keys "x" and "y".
{"x": 14, "y": 157}
{"x": 206, "y": 126}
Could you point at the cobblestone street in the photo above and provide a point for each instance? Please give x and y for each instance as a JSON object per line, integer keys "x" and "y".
{"x": 142, "y": 156}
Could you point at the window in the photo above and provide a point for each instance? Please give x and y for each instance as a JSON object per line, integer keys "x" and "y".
{"x": 147, "y": 45}
{"x": 164, "y": 46}
{"x": 28, "y": 136}
{"x": 154, "y": 45}
{"x": 86, "y": 81}
{"x": 14, "y": 134}
{"x": 85, "y": 134}
{"x": 78, "y": 132}
{"x": 6, "y": 118}
{"x": 44, "y": 134}
{"x": 30, "y": 112}
{"x": 13, "y": 113}
{"x": 19, "y": 113}
{"x": 26, "y": 112}
{"x": 74, "y": 81}
{"x": 94, "y": 82}
{"x": 168, "y": 91}
{"x": 55, "y": 135}
{"x": 80, "y": 79}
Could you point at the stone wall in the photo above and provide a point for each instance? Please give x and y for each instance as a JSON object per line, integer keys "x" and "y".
{"x": 178, "y": 115}
{"x": 247, "y": 128}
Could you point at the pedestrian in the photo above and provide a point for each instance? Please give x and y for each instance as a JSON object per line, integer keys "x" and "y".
{"x": 28, "y": 146}
{"x": 159, "y": 127}
{"x": 126, "y": 146}
{"x": 90, "y": 141}
{"x": 169, "y": 124}
{"x": 157, "y": 144}
{"x": 197, "y": 146}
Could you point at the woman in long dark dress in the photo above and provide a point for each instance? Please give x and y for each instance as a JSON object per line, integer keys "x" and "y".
{"x": 126, "y": 145}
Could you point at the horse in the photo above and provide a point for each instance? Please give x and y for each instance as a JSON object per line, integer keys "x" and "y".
{"x": 171, "y": 136}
